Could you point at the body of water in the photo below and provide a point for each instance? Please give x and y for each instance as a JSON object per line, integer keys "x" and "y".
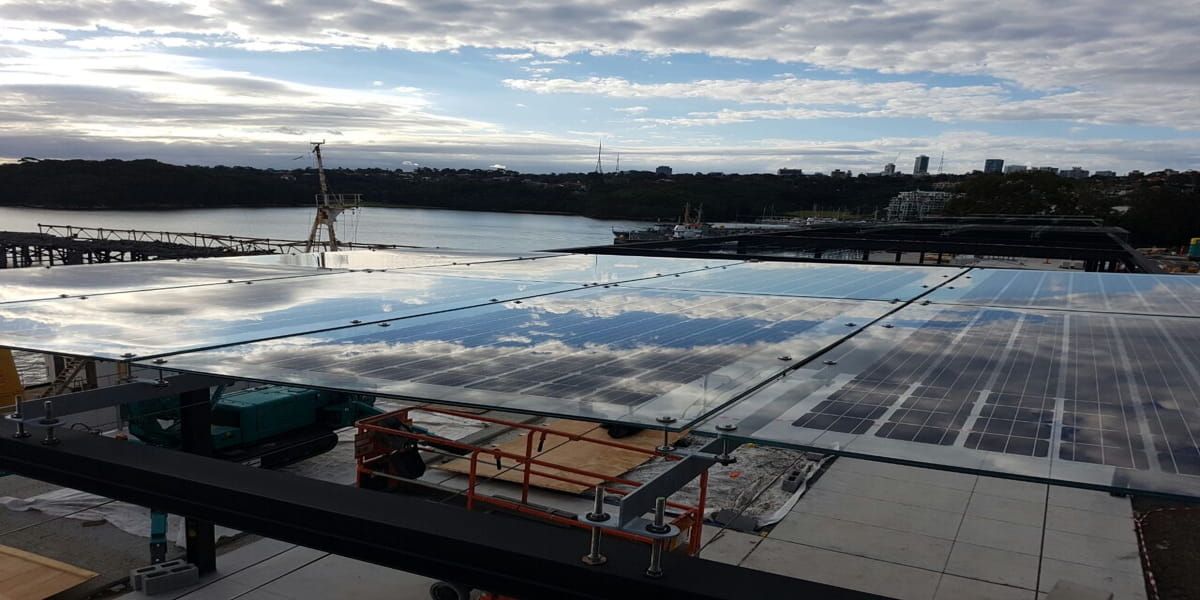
{"x": 509, "y": 232}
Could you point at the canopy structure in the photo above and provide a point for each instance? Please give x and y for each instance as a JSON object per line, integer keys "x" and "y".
{"x": 1076, "y": 378}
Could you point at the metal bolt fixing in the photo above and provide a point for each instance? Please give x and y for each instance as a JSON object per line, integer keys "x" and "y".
{"x": 656, "y": 548}
{"x": 49, "y": 421}
{"x": 20, "y": 419}
{"x": 593, "y": 557}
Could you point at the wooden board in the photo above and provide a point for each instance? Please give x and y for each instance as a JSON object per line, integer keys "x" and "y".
{"x": 28, "y": 576}
{"x": 560, "y": 450}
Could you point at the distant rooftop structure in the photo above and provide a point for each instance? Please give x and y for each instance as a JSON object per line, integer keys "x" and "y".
{"x": 791, "y": 172}
{"x": 889, "y": 169}
{"x": 663, "y": 171}
{"x": 918, "y": 204}
{"x": 1015, "y": 169}
{"x": 993, "y": 165}
{"x": 1074, "y": 173}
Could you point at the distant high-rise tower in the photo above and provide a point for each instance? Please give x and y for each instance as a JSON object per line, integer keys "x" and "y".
{"x": 921, "y": 165}
{"x": 889, "y": 169}
{"x": 993, "y": 165}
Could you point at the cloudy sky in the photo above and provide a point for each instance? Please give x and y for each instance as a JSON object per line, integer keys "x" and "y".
{"x": 724, "y": 85}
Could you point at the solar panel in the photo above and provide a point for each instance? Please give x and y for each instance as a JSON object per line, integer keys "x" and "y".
{"x": 155, "y": 322}
{"x": 869, "y": 282}
{"x": 652, "y": 357}
{"x": 390, "y": 258}
{"x": 1088, "y": 398}
{"x": 588, "y": 269}
{"x": 37, "y": 283}
{"x": 1108, "y": 292}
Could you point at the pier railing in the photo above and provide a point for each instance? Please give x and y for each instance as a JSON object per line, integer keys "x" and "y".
{"x": 233, "y": 243}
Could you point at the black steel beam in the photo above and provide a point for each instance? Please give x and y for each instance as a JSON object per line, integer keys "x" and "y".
{"x": 125, "y": 393}
{"x": 508, "y": 555}
{"x": 195, "y": 436}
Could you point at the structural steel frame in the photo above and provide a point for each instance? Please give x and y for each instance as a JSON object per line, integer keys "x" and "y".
{"x": 496, "y": 552}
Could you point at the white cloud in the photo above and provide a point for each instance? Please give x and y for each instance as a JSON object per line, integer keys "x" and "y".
{"x": 513, "y": 57}
{"x": 632, "y": 110}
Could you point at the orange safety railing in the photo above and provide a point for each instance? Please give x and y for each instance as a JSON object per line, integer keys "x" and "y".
{"x": 371, "y": 445}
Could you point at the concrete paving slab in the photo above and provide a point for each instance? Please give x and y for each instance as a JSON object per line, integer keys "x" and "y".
{"x": 1013, "y": 490}
{"x": 992, "y": 565}
{"x": 730, "y": 547}
{"x": 1089, "y": 500}
{"x": 1005, "y": 509}
{"x": 1000, "y": 535}
{"x": 845, "y": 570}
{"x": 253, "y": 576}
{"x": 953, "y": 587}
{"x": 958, "y": 481}
{"x": 913, "y": 493}
{"x": 1124, "y": 586}
{"x": 1095, "y": 524}
{"x": 1093, "y": 551}
{"x": 339, "y": 577}
{"x": 911, "y": 549}
{"x": 881, "y": 513}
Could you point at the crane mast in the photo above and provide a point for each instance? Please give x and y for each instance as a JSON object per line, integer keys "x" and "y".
{"x": 329, "y": 207}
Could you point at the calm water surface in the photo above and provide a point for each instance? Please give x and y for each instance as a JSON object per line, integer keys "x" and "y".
{"x": 411, "y": 226}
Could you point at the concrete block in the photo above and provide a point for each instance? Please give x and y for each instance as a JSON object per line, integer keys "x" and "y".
{"x": 1000, "y": 535}
{"x": 137, "y": 576}
{"x": 169, "y": 579}
{"x": 792, "y": 481}
{"x": 1069, "y": 590}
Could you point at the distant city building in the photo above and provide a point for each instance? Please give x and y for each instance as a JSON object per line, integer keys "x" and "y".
{"x": 791, "y": 172}
{"x": 1046, "y": 169}
{"x": 921, "y": 165}
{"x": 993, "y": 165}
{"x": 1074, "y": 173}
{"x": 1015, "y": 169}
{"x": 1105, "y": 174}
{"x": 916, "y": 205}
{"x": 840, "y": 174}
{"x": 889, "y": 169}
{"x": 663, "y": 171}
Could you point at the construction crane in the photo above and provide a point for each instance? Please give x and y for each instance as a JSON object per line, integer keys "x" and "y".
{"x": 329, "y": 207}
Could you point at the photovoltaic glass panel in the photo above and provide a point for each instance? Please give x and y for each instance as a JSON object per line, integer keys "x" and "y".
{"x": 589, "y": 269}
{"x": 163, "y": 321}
{"x": 603, "y": 353}
{"x": 868, "y": 282}
{"x": 1092, "y": 398}
{"x": 37, "y": 283}
{"x": 1176, "y": 295}
{"x": 391, "y": 258}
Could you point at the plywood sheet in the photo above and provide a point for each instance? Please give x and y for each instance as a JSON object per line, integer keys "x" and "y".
{"x": 563, "y": 451}
{"x": 28, "y": 576}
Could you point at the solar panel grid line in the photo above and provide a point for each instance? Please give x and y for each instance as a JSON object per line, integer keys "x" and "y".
{"x": 1186, "y": 403}
{"x": 1145, "y": 441}
{"x": 1153, "y": 439}
{"x": 890, "y": 402}
{"x": 668, "y": 364}
{"x": 1137, "y": 438}
{"x": 982, "y": 356}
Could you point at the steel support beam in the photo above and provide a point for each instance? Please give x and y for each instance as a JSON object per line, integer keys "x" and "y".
{"x": 125, "y": 393}
{"x": 513, "y": 556}
{"x": 195, "y": 430}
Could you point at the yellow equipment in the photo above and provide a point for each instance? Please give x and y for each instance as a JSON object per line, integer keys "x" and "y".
{"x": 10, "y": 381}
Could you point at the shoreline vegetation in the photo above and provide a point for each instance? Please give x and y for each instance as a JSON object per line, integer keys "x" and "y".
{"x": 1158, "y": 208}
